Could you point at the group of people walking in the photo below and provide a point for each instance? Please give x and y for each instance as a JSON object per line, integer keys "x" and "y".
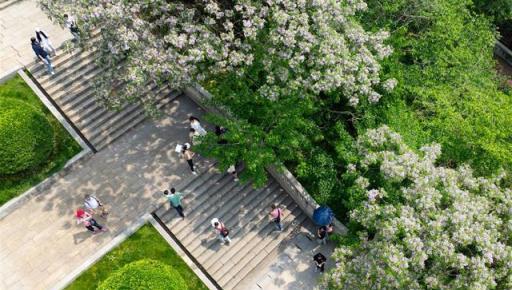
{"x": 175, "y": 198}
{"x": 43, "y": 47}
{"x": 85, "y": 215}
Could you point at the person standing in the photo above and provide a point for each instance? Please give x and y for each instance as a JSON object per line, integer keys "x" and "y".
{"x": 232, "y": 171}
{"x": 44, "y": 40}
{"x": 320, "y": 260}
{"x": 196, "y": 125}
{"x": 42, "y": 55}
{"x": 93, "y": 204}
{"x": 175, "y": 200}
{"x": 189, "y": 155}
{"x": 276, "y": 214}
{"x": 70, "y": 23}
{"x": 89, "y": 222}
{"x": 321, "y": 234}
{"x": 221, "y": 230}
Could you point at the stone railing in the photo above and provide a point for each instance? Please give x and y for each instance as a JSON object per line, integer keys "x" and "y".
{"x": 284, "y": 177}
{"x": 504, "y": 52}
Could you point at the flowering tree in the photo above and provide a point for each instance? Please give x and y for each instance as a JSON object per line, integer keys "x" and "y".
{"x": 305, "y": 46}
{"x": 426, "y": 227}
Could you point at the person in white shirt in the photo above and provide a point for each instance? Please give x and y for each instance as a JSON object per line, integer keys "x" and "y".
{"x": 93, "y": 204}
{"x": 44, "y": 40}
{"x": 196, "y": 125}
{"x": 70, "y": 23}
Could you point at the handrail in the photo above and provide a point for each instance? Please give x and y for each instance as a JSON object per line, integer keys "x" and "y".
{"x": 504, "y": 52}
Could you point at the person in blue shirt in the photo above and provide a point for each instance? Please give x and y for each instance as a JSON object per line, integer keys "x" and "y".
{"x": 175, "y": 200}
{"x": 42, "y": 55}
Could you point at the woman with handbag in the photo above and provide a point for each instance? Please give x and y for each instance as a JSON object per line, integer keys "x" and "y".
{"x": 221, "y": 230}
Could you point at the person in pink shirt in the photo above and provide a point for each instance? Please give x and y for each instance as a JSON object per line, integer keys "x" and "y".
{"x": 277, "y": 214}
{"x": 85, "y": 218}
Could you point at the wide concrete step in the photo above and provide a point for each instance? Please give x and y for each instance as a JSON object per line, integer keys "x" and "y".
{"x": 236, "y": 220}
{"x": 252, "y": 233}
{"x": 250, "y": 262}
{"x": 127, "y": 123}
{"x": 64, "y": 63}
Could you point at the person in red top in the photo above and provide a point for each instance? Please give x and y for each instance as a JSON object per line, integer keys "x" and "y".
{"x": 85, "y": 218}
{"x": 277, "y": 214}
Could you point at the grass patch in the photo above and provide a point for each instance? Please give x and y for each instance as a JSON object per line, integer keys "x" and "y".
{"x": 146, "y": 243}
{"x": 65, "y": 146}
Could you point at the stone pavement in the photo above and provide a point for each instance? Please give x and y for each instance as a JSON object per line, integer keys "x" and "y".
{"x": 41, "y": 243}
{"x": 17, "y": 24}
{"x": 293, "y": 267}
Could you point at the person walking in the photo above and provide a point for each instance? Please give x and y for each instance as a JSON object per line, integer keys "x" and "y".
{"x": 320, "y": 260}
{"x": 44, "y": 40}
{"x": 221, "y": 230}
{"x": 196, "y": 125}
{"x": 193, "y": 137}
{"x": 42, "y": 55}
{"x": 189, "y": 155}
{"x": 175, "y": 200}
{"x": 85, "y": 218}
{"x": 276, "y": 214}
{"x": 70, "y": 23}
{"x": 94, "y": 205}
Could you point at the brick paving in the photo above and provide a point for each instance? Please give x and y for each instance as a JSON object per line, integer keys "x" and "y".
{"x": 41, "y": 242}
{"x": 17, "y": 24}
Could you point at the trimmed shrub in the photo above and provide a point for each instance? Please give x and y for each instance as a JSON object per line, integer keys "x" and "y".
{"x": 26, "y": 137}
{"x": 145, "y": 274}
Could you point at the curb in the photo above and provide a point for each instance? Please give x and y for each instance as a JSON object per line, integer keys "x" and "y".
{"x": 55, "y": 112}
{"x": 182, "y": 254}
{"x": 101, "y": 252}
{"x": 20, "y": 200}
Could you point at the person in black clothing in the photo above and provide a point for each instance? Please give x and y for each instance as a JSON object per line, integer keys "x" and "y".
{"x": 320, "y": 262}
{"x": 42, "y": 55}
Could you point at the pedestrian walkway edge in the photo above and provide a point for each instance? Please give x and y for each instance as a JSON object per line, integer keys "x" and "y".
{"x": 8, "y": 75}
{"x": 101, "y": 252}
{"x": 18, "y": 201}
{"x": 73, "y": 131}
{"x": 200, "y": 274}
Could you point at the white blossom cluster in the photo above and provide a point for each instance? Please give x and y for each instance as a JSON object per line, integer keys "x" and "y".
{"x": 448, "y": 229}
{"x": 309, "y": 46}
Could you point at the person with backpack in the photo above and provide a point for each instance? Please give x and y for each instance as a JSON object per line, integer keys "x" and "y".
{"x": 70, "y": 23}
{"x": 175, "y": 200}
{"x": 85, "y": 218}
{"x": 276, "y": 214}
{"x": 44, "y": 40}
{"x": 221, "y": 230}
{"x": 93, "y": 204}
{"x": 42, "y": 55}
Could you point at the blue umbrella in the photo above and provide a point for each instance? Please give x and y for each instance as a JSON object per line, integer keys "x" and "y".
{"x": 323, "y": 216}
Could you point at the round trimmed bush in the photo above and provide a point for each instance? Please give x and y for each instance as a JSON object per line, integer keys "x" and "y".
{"x": 145, "y": 274}
{"x": 26, "y": 136}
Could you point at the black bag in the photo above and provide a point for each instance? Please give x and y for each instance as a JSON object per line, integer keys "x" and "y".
{"x": 224, "y": 232}
{"x": 74, "y": 28}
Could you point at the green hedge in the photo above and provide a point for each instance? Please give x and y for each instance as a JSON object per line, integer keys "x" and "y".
{"x": 26, "y": 137}
{"x": 145, "y": 274}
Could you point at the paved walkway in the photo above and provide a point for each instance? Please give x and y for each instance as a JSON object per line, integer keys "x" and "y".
{"x": 292, "y": 267}
{"x": 41, "y": 242}
{"x": 17, "y": 24}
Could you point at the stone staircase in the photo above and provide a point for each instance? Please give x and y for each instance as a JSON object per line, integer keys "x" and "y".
{"x": 244, "y": 210}
{"x": 71, "y": 87}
